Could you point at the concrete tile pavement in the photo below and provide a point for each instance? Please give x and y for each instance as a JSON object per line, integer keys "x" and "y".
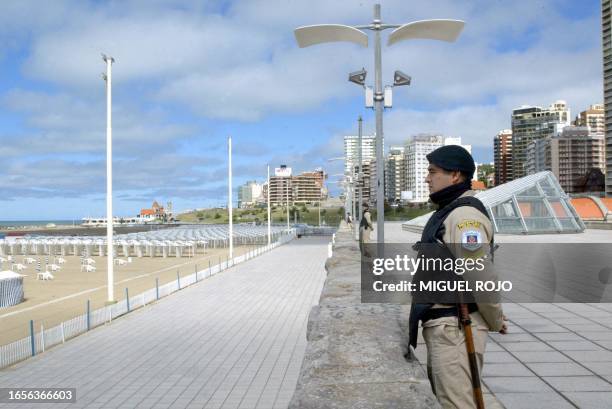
{"x": 562, "y": 349}
{"x": 234, "y": 340}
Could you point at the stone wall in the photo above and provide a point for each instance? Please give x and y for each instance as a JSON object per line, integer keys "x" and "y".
{"x": 355, "y": 353}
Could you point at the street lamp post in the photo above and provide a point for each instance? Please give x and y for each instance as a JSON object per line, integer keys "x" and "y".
{"x": 444, "y": 30}
{"x": 269, "y": 218}
{"x": 287, "y": 205}
{"x": 109, "y": 179}
{"x": 229, "y": 197}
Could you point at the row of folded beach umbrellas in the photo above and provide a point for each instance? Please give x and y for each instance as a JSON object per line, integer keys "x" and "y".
{"x": 179, "y": 242}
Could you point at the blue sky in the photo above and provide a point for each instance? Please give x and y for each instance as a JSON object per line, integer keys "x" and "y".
{"x": 190, "y": 73}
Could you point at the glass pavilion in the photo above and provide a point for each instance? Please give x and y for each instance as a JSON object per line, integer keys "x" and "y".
{"x": 534, "y": 204}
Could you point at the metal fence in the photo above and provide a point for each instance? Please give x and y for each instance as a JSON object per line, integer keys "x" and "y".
{"x": 39, "y": 341}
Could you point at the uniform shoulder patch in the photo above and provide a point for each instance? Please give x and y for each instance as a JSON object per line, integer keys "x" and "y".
{"x": 468, "y": 223}
{"x": 471, "y": 240}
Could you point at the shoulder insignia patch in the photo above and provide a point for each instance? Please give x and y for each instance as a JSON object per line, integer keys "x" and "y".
{"x": 471, "y": 240}
{"x": 469, "y": 223}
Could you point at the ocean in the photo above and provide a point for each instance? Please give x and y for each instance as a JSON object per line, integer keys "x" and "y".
{"x": 28, "y": 223}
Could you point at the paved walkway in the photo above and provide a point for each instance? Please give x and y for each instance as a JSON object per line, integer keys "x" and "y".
{"x": 235, "y": 340}
{"x": 556, "y": 355}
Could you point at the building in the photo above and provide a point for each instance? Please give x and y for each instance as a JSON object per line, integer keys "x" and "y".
{"x": 502, "y": 156}
{"x": 156, "y": 212}
{"x": 366, "y": 181}
{"x": 249, "y": 194}
{"x": 569, "y": 155}
{"x": 307, "y": 187}
{"x": 594, "y": 118}
{"x": 395, "y": 174}
{"x": 351, "y": 150}
{"x": 606, "y": 34}
{"x": 416, "y": 163}
{"x": 372, "y": 182}
{"x": 530, "y": 123}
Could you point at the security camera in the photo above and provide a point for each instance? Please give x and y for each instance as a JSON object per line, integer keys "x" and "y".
{"x": 399, "y": 78}
{"x": 358, "y": 77}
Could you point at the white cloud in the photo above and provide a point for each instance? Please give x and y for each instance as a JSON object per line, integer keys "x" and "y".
{"x": 239, "y": 61}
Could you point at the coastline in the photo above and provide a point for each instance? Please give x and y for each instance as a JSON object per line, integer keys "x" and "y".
{"x": 66, "y": 230}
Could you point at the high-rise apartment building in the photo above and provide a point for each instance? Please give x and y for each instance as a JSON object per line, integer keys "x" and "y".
{"x": 530, "y": 123}
{"x": 351, "y": 150}
{"x": 606, "y": 33}
{"x": 570, "y": 155}
{"x": 307, "y": 187}
{"x": 372, "y": 182}
{"x": 594, "y": 118}
{"x": 415, "y": 153}
{"x": 395, "y": 174}
{"x": 249, "y": 194}
{"x": 502, "y": 156}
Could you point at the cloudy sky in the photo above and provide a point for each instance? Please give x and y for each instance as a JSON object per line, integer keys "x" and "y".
{"x": 190, "y": 73}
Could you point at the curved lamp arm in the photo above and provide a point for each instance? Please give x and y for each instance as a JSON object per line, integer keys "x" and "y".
{"x": 443, "y": 30}
{"x": 326, "y": 33}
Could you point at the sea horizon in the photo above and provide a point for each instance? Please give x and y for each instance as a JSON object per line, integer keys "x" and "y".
{"x": 43, "y": 222}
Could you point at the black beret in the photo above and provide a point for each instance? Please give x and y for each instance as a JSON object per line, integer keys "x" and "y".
{"x": 453, "y": 157}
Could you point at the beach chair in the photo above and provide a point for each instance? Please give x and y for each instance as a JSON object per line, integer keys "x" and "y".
{"x": 88, "y": 268}
{"x": 18, "y": 266}
{"x": 53, "y": 267}
{"x": 89, "y": 261}
{"x": 45, "y": 275}
{"x": 29, "y": 260}
{"x": 61, "y": 260}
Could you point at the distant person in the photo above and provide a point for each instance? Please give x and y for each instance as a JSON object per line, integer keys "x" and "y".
{"x": 365, "y": 228}
{"x": 349, "y": 220}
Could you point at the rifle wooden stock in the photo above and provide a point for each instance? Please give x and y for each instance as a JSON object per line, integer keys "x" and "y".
{"x": 466, "y": 323}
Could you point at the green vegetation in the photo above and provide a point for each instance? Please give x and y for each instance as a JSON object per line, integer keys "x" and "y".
{"x": 308, "y": 214}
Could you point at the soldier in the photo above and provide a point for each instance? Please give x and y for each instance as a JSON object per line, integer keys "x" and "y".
{"x": 460, "y": 225}
{"x": 365, "y": 228}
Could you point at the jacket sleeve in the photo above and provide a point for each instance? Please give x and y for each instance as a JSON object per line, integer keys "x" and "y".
{"x": 468, "y": 234}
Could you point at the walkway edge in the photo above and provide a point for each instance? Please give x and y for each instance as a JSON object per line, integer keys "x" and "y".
{"x": 354, "y": 356}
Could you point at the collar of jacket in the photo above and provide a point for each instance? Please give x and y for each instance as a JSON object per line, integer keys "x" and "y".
{"x": 445, "y": 196}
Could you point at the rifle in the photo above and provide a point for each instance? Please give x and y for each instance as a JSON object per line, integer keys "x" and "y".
{"x": 466, "y": 322}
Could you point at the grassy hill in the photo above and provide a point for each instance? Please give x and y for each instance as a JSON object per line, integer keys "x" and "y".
{"x": 304, "y": 214}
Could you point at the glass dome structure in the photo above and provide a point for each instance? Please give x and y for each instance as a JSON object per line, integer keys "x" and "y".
{"x": 534, "y": 204}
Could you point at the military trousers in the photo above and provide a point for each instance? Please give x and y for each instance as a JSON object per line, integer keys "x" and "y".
{"x": 448, "y": 368}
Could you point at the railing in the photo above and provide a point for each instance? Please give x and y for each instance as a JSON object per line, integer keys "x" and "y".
{"x": 38, "y": 342}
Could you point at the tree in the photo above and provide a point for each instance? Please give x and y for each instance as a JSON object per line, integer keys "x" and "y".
{"x": 217, "y": 215}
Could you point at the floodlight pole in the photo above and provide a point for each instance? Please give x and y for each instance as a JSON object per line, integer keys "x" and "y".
{"x": 439, "y": 29}
{"x": 378, "y": 104}
{"x": 288, "y": 204}
{"x": 269, "y": 218}
{"x": 229, "y": 197}
{"x": 109, "y": 180}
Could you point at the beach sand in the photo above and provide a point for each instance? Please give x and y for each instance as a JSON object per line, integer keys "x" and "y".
{"x": 51, "y": 302}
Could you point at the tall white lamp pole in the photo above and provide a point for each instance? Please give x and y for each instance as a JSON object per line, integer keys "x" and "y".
{"x": 269, "y": 218}
{"x": 229, "y": 198}
{"x": 109, "y": 178}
